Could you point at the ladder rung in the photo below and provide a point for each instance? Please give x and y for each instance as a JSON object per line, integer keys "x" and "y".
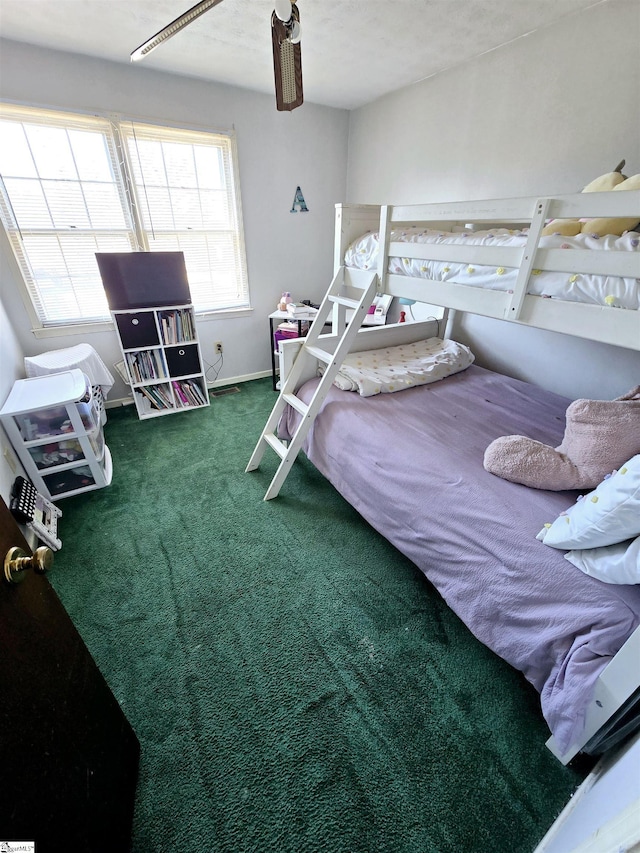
{"x": 288, "y": 451}
{"x": 320, "y": 354}
{"x": 344, "y": 300}
{"x": 296, "y": 403}
{"x": 277, "y": 445}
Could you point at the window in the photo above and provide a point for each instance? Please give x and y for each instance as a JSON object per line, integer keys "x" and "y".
{"x": 74, "y": 185}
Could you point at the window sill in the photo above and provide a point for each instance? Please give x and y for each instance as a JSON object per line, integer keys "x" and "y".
{"x": 107, "y": 325}
{"x": 225, "y": 314}
{"x": 73, "y": 329}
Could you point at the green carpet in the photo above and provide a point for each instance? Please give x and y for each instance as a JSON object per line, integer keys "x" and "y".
{"x": 295, "y": 683}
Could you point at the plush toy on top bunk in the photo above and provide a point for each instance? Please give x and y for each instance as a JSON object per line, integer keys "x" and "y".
{"x": 612, "y": 181}
{"x": 600, "y": 435}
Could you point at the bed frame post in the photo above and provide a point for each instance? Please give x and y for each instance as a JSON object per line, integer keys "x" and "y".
{"x": 385, "y": 239}
{"x": 351, "y": 221}
{"x": 616, "y": 684}
{"x": 339, "y": 233}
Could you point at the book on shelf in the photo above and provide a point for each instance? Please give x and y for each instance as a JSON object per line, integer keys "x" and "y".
{"x": 189, "y": 392}
{"x": 200, "y": 393}
{"x": 155, "y": 399}
{"x": 145, "y": 364}
{"x": 163, "y": 392}
{"x": 188, "y": 331}
{"x": 145, "y": 402}
{"x": 177, "y": 326}
{"x": 157, "y": 395}
{"x": 181, "y": 398}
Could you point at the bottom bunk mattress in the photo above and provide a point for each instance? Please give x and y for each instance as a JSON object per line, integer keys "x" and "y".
{"x": 411, "y": 463}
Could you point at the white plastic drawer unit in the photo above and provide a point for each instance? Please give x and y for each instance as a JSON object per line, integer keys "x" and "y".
{"x": 53, "y": 423}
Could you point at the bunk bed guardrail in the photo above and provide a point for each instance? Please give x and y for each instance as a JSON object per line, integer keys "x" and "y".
{"x": 602, "y": 323}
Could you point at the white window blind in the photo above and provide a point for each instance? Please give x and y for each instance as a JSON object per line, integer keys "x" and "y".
{"x": 185, "y": 187}
{"x": 73, "y": 186}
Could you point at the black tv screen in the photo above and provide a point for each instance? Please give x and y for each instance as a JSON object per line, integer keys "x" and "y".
{"x": 143, "y": 279}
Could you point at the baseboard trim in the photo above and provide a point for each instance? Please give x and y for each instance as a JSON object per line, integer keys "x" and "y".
{"x": 236, "y": 380}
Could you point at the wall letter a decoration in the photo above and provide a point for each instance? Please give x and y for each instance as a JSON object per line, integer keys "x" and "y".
{"x": 299, "y": 202}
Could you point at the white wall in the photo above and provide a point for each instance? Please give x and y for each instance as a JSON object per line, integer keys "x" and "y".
{"x": 12, "y": 368}
{"x": 545, "y": 114}
{"x": 277, "y": 152}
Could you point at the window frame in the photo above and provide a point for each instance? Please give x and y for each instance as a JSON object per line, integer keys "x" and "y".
{"x": 126, "y": 188}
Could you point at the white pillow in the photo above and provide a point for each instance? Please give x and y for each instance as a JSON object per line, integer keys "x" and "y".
{"x": 619, "y": 563}
{"x": 383, "y": 371}
{"x": 609, "y": 514}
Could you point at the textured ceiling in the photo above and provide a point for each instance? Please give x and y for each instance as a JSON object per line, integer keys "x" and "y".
{"x": 353, "y": 51}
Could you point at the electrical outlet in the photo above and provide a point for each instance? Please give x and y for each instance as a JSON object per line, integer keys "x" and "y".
{"x": 218, "y": 346}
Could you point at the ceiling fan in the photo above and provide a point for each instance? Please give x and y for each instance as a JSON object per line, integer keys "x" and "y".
{"x": 285, "y": 37}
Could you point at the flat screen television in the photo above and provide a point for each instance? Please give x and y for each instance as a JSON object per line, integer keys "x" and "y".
{"x": 143, "y": 279}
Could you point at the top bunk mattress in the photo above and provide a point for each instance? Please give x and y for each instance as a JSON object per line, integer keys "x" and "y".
{"x": 605, "y": 290}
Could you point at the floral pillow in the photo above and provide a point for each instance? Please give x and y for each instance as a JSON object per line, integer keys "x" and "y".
{"x": 383, "y": 371}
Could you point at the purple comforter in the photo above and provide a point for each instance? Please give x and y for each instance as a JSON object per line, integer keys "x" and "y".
{"x": 411, "y": 464}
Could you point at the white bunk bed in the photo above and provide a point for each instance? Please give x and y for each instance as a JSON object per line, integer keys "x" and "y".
{"x": 614, "y": 693}
{"x": 608, "y": 258}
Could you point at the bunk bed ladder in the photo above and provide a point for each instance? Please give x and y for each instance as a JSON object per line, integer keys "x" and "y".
{"x": 342, "y": 295}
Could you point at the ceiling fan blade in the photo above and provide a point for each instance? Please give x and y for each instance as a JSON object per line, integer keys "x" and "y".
{"x": 174, "y": 27}
{"x": 287, "y": 63}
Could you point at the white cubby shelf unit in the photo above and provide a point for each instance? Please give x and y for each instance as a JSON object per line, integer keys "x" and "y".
{"x": 162, "y": 356}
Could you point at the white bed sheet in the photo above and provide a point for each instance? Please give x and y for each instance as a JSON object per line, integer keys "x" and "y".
{"x": 610, "y": 291}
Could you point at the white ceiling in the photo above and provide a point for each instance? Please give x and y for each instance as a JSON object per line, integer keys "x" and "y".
{"x": 353, "y": 51}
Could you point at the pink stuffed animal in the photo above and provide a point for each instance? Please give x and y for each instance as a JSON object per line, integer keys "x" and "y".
{"x": 600, "y": 435}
